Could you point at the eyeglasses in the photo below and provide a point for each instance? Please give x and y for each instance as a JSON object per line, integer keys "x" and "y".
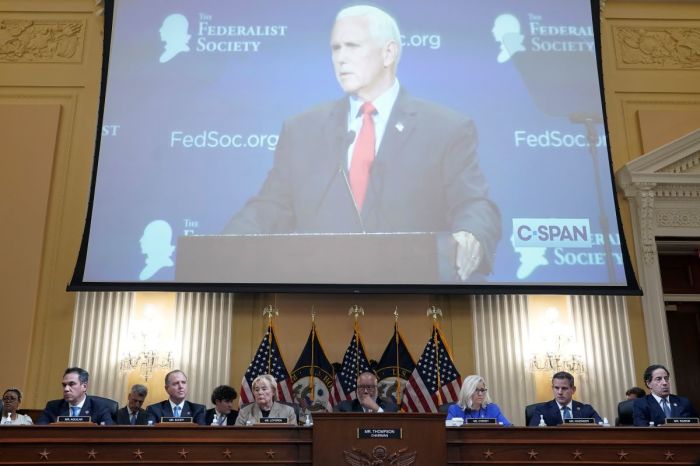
{"x": 366, "y": 387}
{"x": 481, "y": 390}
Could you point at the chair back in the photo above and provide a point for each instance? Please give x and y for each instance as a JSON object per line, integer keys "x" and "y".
{"x": 443, "y": 408}
{"x": 530, "y": 411}
{"x": 625, "y": 411}
{"x": 111, "y": 405}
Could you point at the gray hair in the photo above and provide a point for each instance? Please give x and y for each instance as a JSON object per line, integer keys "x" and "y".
{"x": 468, "y": 388}
{"x": 140, "y": 390}
{"x": 270, "y": 381}
{"x": 382, "y": 26}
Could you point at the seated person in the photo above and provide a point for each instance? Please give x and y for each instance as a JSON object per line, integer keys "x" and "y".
{"x": 474, "y": 402}
{"x": 11, "y": 400}
{"x": 265, "y": 404}
{"x": 563, "y": 406}
{"x": 660, "y": 404}
{"x": 76, "y": 401}
{"x": 133, "y": 414}
{"x": 223, "y": 413}
{"x": 176, "y": 405}
{"x": 634, "y": 393}
{"x": 367, "y": 400}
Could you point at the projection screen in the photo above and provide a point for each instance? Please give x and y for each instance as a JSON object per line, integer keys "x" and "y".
{"x": 228, "y": 130}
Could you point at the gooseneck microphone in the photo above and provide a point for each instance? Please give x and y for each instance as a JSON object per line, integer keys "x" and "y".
{"x": 344, "y": 145}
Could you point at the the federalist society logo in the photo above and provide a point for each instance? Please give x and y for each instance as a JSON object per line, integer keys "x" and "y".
{"x": 212, "y": 36}
{"x": 539, "y": 36}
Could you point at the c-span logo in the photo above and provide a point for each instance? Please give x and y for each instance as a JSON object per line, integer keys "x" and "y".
{"x": 552, "y": 232}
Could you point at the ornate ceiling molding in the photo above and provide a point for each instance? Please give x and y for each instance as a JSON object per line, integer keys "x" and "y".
{"x": 30, "y": 40}
{"x": 658, "y": 47}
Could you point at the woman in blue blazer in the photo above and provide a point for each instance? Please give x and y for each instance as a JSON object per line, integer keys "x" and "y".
{"x": 474, "y": 402}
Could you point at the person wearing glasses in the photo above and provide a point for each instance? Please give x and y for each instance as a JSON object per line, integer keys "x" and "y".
{"x": 367, "y": 400}
{"x": 266, "y": 404}
{"x": 11, "y": 400}
{"x": 474, "y": 402}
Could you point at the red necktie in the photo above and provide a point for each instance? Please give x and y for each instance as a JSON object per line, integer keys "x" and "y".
{"x": 362, "y": 155}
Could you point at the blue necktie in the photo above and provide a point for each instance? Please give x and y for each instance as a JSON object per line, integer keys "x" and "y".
{"x": 176, "y": 411}
{"x": 74, "y": 411}
{"x": 567, "y": 412}
{"x": 666, "y": 407}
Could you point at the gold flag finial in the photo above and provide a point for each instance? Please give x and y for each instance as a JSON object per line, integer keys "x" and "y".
{"x": 356, "y": 311}
{"x": 313, "y": 313}
{"x": 270, "y": 311}
{"x": 396, "y": 314}
{"x": 434, "y": 312}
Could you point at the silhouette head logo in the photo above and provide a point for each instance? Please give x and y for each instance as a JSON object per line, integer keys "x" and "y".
{"x": 155, "y": 244}
{"x": 506, "y": 30}
{"x": 530, "y": 259}
{"x": 174, "y": 32}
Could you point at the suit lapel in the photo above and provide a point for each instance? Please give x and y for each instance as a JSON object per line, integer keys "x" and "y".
{"x": 399, "y": 127}
{"x": 167, "y": 409}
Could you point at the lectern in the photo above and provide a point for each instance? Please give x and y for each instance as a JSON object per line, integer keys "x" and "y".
{"x": 386, "y": 438}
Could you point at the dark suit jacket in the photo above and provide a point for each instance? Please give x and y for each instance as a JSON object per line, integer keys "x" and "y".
{"x": 163, "y": 409}
{"x": 97, "y": 410}
{"x": 552, "y": 414}
{"x": 425, "y": 178}
{"x": 124, "y": 420}
{"x": 647, "y": 409}
{"x": 230, "y": 418}
{"x": 347, "y": 406}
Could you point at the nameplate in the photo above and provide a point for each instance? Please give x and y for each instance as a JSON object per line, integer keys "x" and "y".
{"x": 74, "y": 419}
{"x": 682, "y": 421}
{"x": 480, "y": 420}
{"x": 579, "y": 420}
{"x": 273, "y": 420}
{"x": 176, "y": 420}
{"x": 363, "y": 433}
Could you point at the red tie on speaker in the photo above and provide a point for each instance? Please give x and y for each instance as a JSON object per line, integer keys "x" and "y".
{"x": 362, "y": 155}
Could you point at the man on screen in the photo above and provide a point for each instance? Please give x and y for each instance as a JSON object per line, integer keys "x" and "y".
{"x": 378, "y": 160}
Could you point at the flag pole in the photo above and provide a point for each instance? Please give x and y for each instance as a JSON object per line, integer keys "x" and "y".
{"x": 356, "y": 311}
{"x": 398, "y": 364}
{"x": 269, "y": 311}
{"x": 311, "y": 369}
{"x": 434, "y": 312}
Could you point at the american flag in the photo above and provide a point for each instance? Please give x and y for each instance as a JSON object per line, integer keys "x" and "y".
{"x": 354, "y": 363}
{"x": 435, "y": 379}
{"x": 267, "y": 360}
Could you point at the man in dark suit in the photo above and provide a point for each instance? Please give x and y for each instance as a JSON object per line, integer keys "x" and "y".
{"x": 176, "y": 405}
{"x": 563, "y": 406}
{"x": 132, "y": 413}
{"x": 660, "y": 404}
{"x": 378, "y": 160}
{"x": 367, "y": 400}
{"x": 76, "y": 401}
{"x": 223, "y": 413}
